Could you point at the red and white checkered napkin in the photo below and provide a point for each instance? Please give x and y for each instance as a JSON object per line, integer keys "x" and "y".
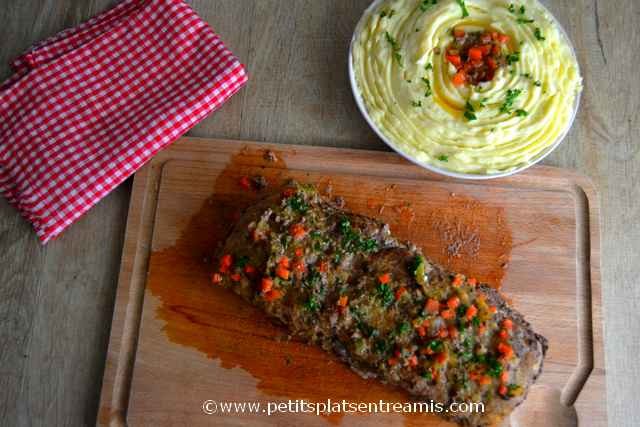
{"x": 89, "y": 106}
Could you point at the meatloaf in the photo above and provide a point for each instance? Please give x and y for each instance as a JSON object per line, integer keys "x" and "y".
{"x": 342, "y": 281}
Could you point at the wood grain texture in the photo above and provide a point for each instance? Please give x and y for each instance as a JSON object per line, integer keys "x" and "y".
{"x": 56, "y": 302}
{"x": 177, "y": 341}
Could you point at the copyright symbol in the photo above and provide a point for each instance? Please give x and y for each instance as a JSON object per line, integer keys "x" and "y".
{"x": 209, "y": 407}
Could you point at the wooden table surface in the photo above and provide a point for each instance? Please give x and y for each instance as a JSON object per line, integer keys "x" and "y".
{"x": 56, "y": 302}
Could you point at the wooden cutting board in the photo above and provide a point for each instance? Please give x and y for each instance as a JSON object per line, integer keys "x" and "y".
{"x": 176, "y": 341}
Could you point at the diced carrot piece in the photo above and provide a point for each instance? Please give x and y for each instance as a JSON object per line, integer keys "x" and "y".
{"x": 502, "y": 390}
{"x": 384, "y": 278}
{"x": 421, "y": 331}
{"x": 473, "y": 281}
{"x": 504, "y": 376}
{"x": 432, "y": 306}
{"x": 299, "y": 266}
{"x": 299, "y": 252}
{"x": 457, "y": 280}
{"x": 493, "y": 309}
{"x": 503, "y": 334}
{"x": 216, "y": 278}
{"x": 475, "y": 53}
{"x": 455, "y": 60}
{"x": 236, "y": 277}
{"x": 443, "y": 333}
{"x": 298, "y": 231}
{"x": 426, "y": 351}
{"x": 273, "y": 295}
{"x": 249, "y": 269}
{"x": 453, "y": 331}
{"x": 392, "y": 361}
{"x": 413, "y": 361}
{"x": 453, "y": 302}
{"x": 507, "y": 324}
{"x": 471, "y": 312}
{"x": 447, "y": 314}
{"x": 288, "y": 192}
{"x": 494, "y": 35}
{"x": 485, "y": 49}
{"x": 245, "y": 182}
{"x": 485, "y": 380}
{"x": 266, "y": 285}
{"x": 282, "y": 272}
{"x": 343, "y": 301}
{"x": 503, "y": 38}
{"x": 399, "y": 292}
{"x": 284, "y": 262}
{"x": 482, "y": 329}
{"x": 323, "y": 266}
{"x": 225, "y": 263}
{"x": 442, "y": 357}
{"x": 458, "y": 32}
{"x": 505, "y": 349}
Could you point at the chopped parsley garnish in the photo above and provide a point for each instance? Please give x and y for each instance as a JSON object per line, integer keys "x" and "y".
{"x": 523, "y": 10}
{"x": 483, "y": 102}
{"x": 513, "y": 390}
{"x": 388, "y": 14}
{"x": 427, "y": 4}
{"x": 461, "y": 311}
{"x": 385, "y": 295}
{"x": 521, "y": 113}
{"x": 494, "y": 367}
{"x": 366, "y": 329}
{"x": 525, "y": 21}
{"x": 470, "y": 112}
{"x": 417, "y": 266}
{"x": 538, "y": 33}
{"x": 527, "y": 75}
{"x": 512, "y": 95}
{"x": 398, "y": 57}
{"x": 429, "y": 66}
{"x": 416, "y": 104}
{"x": 242, "y": 262}
{"x": 512, "y": 58}
{"x": 369, "y": 245}
{"x": 298, "y": 204}
{"x": 395, "y": 47}
{"x": 352, "y": 240}
{"x": 512, "y": 8}
{"x": 403, "y": 328}
{"x": 427, "y": 375}
{"x": 443, "y": 158}
{"x": 381, "y": 346}
{"x": 312, "y": 304}
{"x": 428, "y": 83}
{"x": 463, "y": 6}
{"x": 537, "y": 83}
{"x": 436, "y": 345}
{"x": 312, "y": 280}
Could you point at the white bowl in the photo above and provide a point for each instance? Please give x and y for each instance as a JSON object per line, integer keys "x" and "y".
{"x": 363, "y": 109}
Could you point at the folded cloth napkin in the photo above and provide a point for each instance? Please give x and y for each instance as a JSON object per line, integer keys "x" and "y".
{"x": 88, "y": 107}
